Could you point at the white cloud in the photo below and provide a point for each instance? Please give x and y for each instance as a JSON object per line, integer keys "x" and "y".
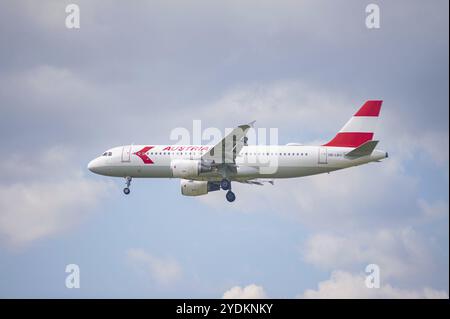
{"x": 415, "y": 139}
{"x": 433, "y": 210}
{"x": 343, "y": 285}
{"x": 326, "y": 250}
{"x": 30, "y": 211}
{"x": 269, "y": 104}
{"x": 54, "y": 89}
{"x": 346, "y": 285}
{"x": 248, "y": 292}
{"x": 163, "y": 270}
{"x": 43, "y": 196}
{"x": 401, "y": 254}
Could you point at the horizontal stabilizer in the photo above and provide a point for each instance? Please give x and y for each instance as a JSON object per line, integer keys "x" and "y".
{"x": 363, "y": 150}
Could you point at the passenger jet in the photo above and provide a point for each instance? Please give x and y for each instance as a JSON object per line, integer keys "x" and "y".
{"x": 206, "y": 168}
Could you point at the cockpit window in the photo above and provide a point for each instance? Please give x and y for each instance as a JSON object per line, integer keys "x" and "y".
{"x": 105, "y": 154}
{"x": 110, "y": 154}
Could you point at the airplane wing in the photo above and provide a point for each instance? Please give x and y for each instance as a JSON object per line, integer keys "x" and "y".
{"x": 226, "y": 150}
{"x": 259, "y": 182}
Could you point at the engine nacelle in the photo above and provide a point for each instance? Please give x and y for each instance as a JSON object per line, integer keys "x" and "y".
{"x": 197, "y": 188}
{"x": 189, "y": 168}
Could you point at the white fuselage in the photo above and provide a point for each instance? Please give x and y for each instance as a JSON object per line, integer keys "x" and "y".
{"x": 276, "y": 161}
{"x": 203, "y": 169}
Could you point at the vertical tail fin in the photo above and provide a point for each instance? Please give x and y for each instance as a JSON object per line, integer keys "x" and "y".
{"x": 360, "y": 128}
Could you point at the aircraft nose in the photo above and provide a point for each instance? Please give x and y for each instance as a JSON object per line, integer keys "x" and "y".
{"x": 93, "y": 165}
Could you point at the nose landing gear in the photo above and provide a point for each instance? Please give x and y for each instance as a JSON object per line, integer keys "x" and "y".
{"x": 126, "y": 190}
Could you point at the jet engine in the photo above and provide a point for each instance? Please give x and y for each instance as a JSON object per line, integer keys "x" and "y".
{"x": 190, "y": 168}
{"x": 197, "y": 188}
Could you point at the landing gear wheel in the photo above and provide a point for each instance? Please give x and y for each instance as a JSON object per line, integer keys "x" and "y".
{"x": 225, "y": 184}
{"x": 230, "y": 196}
{"x": 126, "y": 190}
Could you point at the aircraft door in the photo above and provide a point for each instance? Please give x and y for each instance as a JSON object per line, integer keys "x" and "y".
{"x": 323, "y": 155}
{"x": 126, "y": 153}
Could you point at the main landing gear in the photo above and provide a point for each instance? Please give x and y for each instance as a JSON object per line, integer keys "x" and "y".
{"x": 126, "y": 190}
{"x": 230, "y": 196}
{"x": 225, "y": 184}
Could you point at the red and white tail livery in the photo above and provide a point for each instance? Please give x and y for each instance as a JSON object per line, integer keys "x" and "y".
{"x": 206, "y": 168}
{"x": 360, "y": 128}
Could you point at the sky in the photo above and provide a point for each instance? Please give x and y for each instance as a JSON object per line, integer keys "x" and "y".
{"x": 134, "y": 71}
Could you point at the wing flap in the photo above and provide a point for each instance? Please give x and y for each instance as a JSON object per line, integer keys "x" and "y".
{"x": 259, "y": 182}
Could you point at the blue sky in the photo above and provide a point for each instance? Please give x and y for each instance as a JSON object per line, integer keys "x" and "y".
{"x": 133, "y": 72}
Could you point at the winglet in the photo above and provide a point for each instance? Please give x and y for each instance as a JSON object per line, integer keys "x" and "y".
{"x": 363, "y": 150}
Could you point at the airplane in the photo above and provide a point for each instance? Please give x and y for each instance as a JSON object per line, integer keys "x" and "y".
{"x": 207, "y": 168}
